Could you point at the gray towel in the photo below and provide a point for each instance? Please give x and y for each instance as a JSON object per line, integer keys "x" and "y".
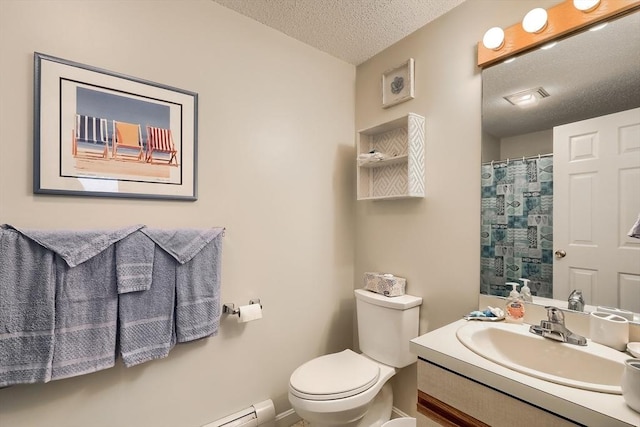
{"x": 146, "y": 302}
{"x": 195, "y": 264}
{"x": 86, "y": 300}
{"x": 27, "y": 304}
{"x": 134, "y": 262}
{"x": 76, "y": 246}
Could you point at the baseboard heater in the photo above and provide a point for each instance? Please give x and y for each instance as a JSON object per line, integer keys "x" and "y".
{"x": 261, "y": 414}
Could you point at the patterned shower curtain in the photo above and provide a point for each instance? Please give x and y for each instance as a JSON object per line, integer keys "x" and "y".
{"x": 517, "y": 225}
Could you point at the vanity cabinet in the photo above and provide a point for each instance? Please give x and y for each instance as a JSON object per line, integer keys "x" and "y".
{"x": 449, "y": 399}
{"x": 400, "y": 173}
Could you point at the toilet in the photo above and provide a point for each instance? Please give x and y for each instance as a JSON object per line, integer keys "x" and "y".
{"x": 350, "y": 389}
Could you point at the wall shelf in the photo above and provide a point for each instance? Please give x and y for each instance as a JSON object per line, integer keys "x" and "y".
{"x": 400, "y": 176}
{"x": 386, "y": 162}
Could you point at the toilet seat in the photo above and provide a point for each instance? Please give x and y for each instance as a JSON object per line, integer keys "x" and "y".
{"x": 334, "y": 376}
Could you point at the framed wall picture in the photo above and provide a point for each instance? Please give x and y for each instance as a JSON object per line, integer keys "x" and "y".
{"x": 100, "y": 133}
{"x": 397, "y": 84}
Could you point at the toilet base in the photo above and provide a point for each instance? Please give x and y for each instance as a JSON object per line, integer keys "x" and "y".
{"x": 378, "y": 412}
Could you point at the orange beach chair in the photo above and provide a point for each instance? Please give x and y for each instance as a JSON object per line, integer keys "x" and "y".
{"x": 127, "y": 141}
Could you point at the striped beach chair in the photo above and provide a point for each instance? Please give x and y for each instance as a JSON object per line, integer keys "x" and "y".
{"x": 90, "y": 138}
{"x": 127, "y": 141}
{"x": 160, "y": 147}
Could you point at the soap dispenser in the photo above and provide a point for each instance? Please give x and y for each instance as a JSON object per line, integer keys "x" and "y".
{"x": 525, "y": 291}
{"x": 514, "y": 312}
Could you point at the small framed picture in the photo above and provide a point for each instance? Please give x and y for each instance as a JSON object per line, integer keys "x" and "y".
{"x": 397, "y": 84}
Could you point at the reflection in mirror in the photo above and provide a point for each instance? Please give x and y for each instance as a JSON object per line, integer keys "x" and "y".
{"x": 530, "y": 145}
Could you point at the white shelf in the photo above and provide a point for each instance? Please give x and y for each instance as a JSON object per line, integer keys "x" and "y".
{"x": 398, "y": 177}
{"x": 386, "y": 162}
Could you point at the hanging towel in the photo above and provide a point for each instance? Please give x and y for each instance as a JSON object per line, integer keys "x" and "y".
{"x": 27, "y": 304}
{"x": 195, "y": 264}
{"x": 76, "y": 246}
{"x": 146, "y": 301}
{"x": 86, "y": 300}
{"x": 635, "y": 229}
{"x": 134, "y": 262}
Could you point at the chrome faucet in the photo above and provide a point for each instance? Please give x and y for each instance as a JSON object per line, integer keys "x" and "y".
{"x": 554, "y": 328}
{"x": 576, "y": 302}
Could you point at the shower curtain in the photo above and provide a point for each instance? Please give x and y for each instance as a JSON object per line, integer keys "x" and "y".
{"x": 517, "y": 225}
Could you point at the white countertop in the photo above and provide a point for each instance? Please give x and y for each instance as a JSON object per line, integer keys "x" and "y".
{"x": 593, "y": 409}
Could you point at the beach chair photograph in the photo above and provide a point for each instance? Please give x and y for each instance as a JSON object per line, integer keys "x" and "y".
{"x": 90, "y": 137}
{"x": 127, "y": 142}
{"x": 160, "y": 147}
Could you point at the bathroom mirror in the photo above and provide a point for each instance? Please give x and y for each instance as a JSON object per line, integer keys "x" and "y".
{"x": 587, "y": 75}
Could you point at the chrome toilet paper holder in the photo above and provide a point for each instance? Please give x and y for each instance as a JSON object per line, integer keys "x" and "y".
{"x": 231, "y": 309}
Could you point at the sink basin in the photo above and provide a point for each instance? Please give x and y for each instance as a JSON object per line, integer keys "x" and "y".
{"x": 594, "y": 367}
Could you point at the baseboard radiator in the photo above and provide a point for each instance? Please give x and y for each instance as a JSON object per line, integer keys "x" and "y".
{"x": 261, "y": 414}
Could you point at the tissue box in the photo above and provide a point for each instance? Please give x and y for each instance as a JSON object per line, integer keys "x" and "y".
{"x": 385, "y": 284}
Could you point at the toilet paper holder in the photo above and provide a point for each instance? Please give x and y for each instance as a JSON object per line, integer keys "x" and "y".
{"x": 231, "y": 309}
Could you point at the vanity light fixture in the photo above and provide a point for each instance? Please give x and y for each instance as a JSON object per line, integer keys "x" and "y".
{"x": 527, "y": 98}
{"x": 535, "y": 20}
{"x": 541, "y": 26}
{"x": 494, "y": 38}
{"x": 586, "y": 5}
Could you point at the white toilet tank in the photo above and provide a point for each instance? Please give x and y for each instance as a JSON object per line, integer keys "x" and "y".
{"x": 386, "y": 325}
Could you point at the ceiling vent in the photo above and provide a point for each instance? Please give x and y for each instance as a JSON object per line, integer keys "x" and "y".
{"x": 527, "y": 97}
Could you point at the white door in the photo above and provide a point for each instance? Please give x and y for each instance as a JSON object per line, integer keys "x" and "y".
{"x": 596, "y": 200}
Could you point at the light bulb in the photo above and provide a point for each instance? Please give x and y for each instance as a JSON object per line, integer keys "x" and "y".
{"x": 494, "y": 38}
{"x": 586, "y": 5}
{"x": 535, "y": 21}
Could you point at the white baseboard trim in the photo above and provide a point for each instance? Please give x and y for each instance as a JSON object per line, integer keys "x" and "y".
{"x": 397, "y": 413}
{"x": 288, "y": 418}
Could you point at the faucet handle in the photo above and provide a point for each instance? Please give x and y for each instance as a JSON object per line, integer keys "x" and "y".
{"x": 555, "y": 315}
{"x": 576, "y": 300}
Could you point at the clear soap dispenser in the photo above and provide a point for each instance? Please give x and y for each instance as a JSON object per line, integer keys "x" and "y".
{"x": 525, "y": 291}
{"x": 514, "y": 312}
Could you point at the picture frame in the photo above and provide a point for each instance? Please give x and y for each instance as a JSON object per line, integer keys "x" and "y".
{"x": 105, "y": 134}
{"x": 398, "y": 84}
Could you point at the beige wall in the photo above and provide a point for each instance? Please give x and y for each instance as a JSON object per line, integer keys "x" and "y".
{"x": 434, "y": 242}
{"x": 528, "y": 144}
{"x": 276, "y": 148}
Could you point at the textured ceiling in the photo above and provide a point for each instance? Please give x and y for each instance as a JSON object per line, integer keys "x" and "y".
{"x": 352, "y": 30}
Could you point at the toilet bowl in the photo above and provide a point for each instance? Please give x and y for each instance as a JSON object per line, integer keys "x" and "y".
{"x": 350, "y": 389}
{"x": 339, "y": 389}
{"x": 401, "y": 422}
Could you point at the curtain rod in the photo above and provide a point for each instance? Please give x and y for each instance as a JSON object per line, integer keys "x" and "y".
{"x": 523, "y": 158}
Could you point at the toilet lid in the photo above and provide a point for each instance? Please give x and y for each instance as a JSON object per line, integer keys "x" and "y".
{"x": 334, "y": 376}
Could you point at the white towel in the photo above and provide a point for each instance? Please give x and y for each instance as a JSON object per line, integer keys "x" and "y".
{"x": 635, "y": 229}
